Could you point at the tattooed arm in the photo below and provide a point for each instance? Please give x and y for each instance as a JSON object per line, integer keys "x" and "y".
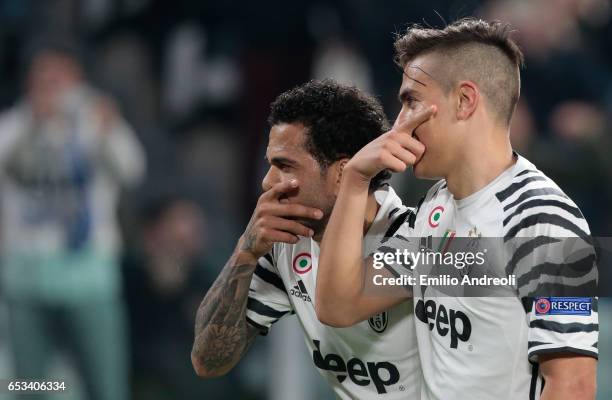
{"x": 222, "y": 333}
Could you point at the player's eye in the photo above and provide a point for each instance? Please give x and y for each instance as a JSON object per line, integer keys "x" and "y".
{"x": 410, "y": 101}
{"x": 285, "y": 167}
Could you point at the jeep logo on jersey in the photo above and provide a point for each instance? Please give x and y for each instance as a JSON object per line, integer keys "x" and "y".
{"x": 381, "y": 373}
{"x": 445, "y": 321}
{"x": 435, "y": 215}
{"x": 302, "y": 263}
{"x": 379, "y": 322}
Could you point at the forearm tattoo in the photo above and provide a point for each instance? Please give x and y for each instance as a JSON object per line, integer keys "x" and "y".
{"x": 222, "y": 334}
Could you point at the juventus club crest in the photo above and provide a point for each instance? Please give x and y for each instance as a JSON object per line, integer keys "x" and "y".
{"x": 379, "y": 322}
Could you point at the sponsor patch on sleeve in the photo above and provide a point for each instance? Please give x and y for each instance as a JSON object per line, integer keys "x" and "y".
{"x": 563, "y": 306}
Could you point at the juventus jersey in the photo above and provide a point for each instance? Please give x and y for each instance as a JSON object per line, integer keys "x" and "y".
{"x": 488, "y": 347}
{"x": 374, "y": 359}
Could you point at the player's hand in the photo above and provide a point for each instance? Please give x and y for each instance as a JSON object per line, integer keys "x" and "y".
{"x": 394, "y": 150}
{"x": 275, "y": 221}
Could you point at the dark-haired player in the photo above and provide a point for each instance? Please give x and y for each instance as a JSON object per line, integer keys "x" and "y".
{"x": 315, "y": 129}
{"x": 463, "y": 81}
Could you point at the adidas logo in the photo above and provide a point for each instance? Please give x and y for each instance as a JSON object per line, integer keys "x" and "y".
{"x": 300, "y": 292}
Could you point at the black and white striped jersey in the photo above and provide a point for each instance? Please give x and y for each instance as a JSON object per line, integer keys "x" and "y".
{"x": 488, "y": 347}
{"x": 377, "y": 358}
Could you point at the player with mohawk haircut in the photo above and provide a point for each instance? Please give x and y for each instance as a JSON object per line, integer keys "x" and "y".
{"x": 465, "y": 79}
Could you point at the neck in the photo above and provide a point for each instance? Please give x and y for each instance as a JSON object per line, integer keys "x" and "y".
{"x": 476, "y": 169}
{"x": 372, "y": 208}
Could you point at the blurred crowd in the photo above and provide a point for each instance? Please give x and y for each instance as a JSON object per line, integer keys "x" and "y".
{"x": 131, "y": 155}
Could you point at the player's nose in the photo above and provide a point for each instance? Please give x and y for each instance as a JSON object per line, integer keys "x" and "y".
{"x": 269, "y": 180}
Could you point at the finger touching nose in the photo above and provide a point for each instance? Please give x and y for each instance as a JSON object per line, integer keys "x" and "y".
{"x": 410, "y": 122}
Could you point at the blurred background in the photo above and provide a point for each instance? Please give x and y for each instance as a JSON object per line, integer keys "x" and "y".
{"x": 122, "y": 197}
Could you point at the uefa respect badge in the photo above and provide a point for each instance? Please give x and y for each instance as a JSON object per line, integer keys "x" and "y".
{"x": 563, "y": 305}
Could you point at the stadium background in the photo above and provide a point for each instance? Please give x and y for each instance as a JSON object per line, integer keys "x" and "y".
{"x": 195, "y": 79}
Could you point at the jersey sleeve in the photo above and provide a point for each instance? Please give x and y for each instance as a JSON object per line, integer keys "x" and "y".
{"x": 399, "y": 237}
{"x": 554, "y": 261}
{"x": 268, "y": 299}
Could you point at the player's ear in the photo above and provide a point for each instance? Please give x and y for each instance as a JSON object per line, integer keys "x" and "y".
{"x": 338, "y": 167}
{"x": 467, "y": 100}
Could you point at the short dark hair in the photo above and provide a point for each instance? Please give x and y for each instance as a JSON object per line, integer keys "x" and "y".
{"x": 339, "y": 120}
{"x": 471, "y": 49}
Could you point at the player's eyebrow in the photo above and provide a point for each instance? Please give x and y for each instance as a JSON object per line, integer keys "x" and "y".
{"x": 281, "y": 161}
{"x": 406, "y": 94}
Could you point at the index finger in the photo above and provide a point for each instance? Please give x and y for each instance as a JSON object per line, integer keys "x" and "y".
{"x": 281, "y": 188}
{"x": 416, "y": 119}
